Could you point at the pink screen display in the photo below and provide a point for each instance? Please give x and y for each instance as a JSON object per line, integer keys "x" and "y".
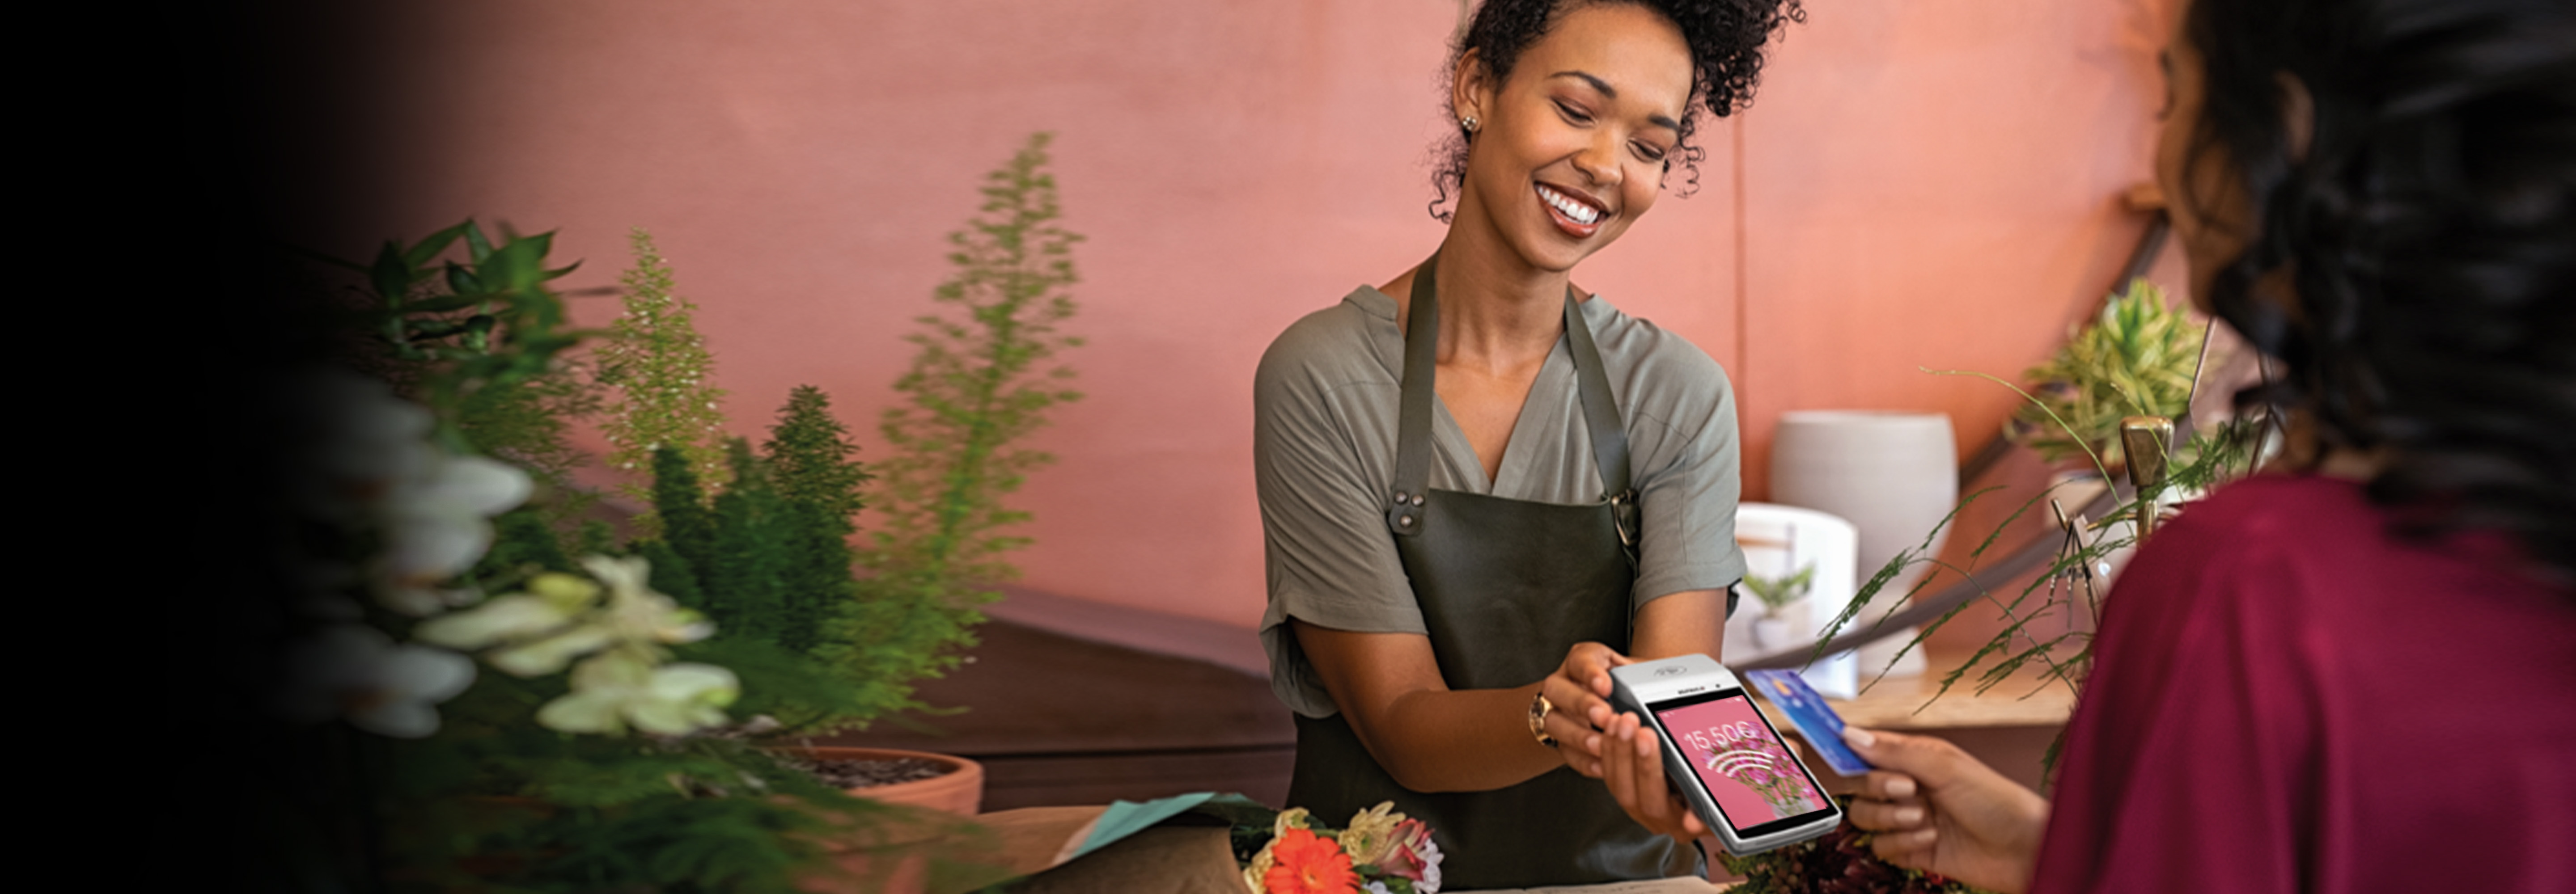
{"x": 1755, "y": 778}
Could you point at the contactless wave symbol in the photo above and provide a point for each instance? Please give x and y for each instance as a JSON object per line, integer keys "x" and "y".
{"x": 1738, "y": 763}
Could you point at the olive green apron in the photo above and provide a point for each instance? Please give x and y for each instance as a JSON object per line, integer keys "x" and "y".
{"x": 1506, "y": 587}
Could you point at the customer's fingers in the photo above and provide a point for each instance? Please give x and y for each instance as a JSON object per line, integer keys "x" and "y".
{"x": 1909, "y": 849}
{"x": 1930, "y": 761}
{"x": 1883, "y": 816}
{"x": 1882, "y": 785}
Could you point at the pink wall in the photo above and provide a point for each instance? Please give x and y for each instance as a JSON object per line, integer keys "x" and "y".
{"x": 1920, "y": 184}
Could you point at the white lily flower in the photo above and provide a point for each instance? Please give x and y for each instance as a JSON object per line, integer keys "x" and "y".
{"x": 684, "y": 698}
{"x": 548, "y": 655}
{"x": 437, "y": 521}
{"x": 636, "y": 611}
{"x": 367, "y": 438}
{"x": 357, "y": 672}
{"x": 512, "y": 617}
{"x": 617, "y": 689}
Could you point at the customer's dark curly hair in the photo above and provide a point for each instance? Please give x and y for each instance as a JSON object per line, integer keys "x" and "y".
{"x": 2429, "y": 238}
{"x": 1726, "y": 38}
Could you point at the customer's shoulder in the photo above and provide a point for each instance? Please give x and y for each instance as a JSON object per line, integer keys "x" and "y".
{"x": 2280, "y": 509}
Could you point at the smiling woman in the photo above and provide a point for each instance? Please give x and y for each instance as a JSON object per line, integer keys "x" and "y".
{"x": 1481, "y": 487}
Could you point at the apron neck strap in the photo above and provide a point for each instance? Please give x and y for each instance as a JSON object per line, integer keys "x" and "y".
{"x": 1413, "y": 419}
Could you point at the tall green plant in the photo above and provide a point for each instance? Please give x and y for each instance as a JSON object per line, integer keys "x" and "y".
{"x": 2136, "y": 359}
{"x": 659, "y": 367}
{"x": 771, "y": 562}
{"x": 745, "y": 578}
{"x": 981, "y": 381}
{"x": 819, "y": 486}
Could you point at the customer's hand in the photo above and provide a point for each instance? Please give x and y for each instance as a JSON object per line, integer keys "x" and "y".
{"x": 1580, "y": 692}
{"x": 1939, "y": 810}
{"x": 1633, "y": 767}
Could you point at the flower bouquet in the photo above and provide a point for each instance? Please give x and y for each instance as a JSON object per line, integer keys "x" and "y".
{"x": 1379, "y": 852}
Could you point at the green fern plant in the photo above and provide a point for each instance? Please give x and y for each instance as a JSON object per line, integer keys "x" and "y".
{"x": 981, "y": 380}
{"x": 2136, "y": 359}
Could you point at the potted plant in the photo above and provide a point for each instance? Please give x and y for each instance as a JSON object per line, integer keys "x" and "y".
{"x": 518, "y": 714}
{"x": 1773, "y": 629}
{"x": 761, "y": 540}
{"x": 2138, "y": 358}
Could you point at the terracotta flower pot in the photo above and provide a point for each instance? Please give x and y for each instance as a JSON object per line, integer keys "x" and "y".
{"x": 960, "y": 791}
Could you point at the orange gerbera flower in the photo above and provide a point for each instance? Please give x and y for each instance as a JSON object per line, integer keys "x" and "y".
{"x": 1305, "y": 863}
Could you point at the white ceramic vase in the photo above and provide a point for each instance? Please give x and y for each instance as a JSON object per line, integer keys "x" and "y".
{"x": 1893, "y": 475}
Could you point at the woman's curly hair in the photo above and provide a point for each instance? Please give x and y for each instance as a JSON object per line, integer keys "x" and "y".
{"x": 1726, "y": 38}
{"x": 2428, "y": 237}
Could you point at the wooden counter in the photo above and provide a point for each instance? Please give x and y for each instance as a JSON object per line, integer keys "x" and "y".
{"x": 1900, "y": 703}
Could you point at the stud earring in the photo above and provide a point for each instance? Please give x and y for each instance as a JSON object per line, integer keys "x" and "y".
{"x": 1469, "y": 123}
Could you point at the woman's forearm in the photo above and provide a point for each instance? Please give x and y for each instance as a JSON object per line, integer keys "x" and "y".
{"x": 1461, "y": 740}
{"x": 1429, "y": 737}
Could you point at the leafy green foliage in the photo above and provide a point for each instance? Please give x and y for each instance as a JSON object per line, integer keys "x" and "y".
{"x": 482, "y": 342}
{"x": 979, "y": 383}
{"x": 662, "y": 373}
{"x": 2136, "y": 360}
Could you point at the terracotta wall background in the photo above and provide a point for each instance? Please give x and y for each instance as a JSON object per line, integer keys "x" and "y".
{"x": 1921, "y": 183}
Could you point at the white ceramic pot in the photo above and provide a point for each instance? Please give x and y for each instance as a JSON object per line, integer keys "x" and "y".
{"x": 1893, "y": 475}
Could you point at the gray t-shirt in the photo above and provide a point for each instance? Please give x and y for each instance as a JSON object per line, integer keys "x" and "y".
{"x": 1324, "y": 407}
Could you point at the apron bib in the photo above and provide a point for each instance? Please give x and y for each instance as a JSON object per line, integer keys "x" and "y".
{"x": 1506, "y": 587}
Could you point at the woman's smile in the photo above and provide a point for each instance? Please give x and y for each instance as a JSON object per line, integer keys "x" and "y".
{"x": 1579, "y": 215}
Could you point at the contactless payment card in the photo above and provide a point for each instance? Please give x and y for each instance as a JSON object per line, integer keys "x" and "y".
{"x": 1816, "y": 722}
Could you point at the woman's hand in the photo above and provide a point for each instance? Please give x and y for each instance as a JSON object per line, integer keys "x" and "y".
{"x": 1938, "y": 810}
{"x": 1598, "y": 741}
{"x": 1634, "y": 769}
{"x": 1580, "y": 692}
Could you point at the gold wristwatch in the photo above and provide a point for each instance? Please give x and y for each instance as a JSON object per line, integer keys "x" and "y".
{"x": 1538, "y": 711}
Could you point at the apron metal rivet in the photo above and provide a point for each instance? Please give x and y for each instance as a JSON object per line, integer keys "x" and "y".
{"x": 1405, "y": 520}
{"x": 1417, "y": 500}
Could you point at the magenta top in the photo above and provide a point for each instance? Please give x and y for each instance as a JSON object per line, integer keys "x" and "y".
{"x": 2287, "y": 698}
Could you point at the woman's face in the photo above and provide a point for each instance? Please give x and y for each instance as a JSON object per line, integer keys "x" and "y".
{"x": 1572, "y": 149}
